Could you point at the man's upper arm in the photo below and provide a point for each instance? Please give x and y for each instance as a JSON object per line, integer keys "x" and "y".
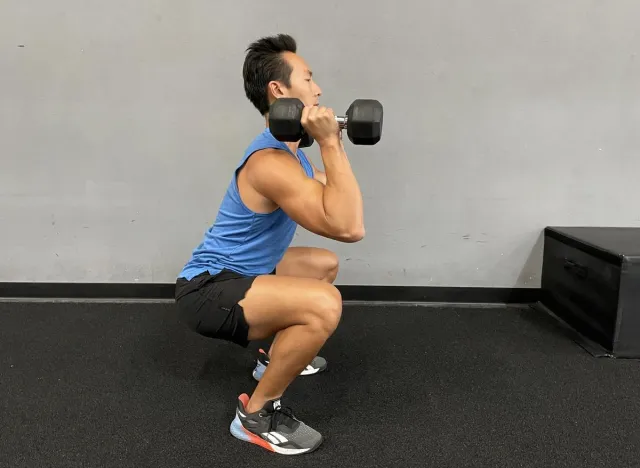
{"x": 281, "y": 179}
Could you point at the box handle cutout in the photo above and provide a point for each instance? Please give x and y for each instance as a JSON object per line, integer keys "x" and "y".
{"x": 578, "y": 270}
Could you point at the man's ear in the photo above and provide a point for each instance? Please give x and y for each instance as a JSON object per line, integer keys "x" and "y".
{"x": 276, "y": 89}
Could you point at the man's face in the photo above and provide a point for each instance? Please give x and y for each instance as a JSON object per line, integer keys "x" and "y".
{"x": 302, "y": 85}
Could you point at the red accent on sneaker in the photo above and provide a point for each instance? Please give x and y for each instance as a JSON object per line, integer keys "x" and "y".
{"x": 254, "y": 439}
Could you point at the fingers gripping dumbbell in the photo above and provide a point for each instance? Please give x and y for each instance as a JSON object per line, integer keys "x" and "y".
{"x": 363, "y": 121}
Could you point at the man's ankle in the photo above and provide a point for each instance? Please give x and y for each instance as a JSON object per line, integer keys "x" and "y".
{"x": 256, "y": 404}
{"x": 251, "y": 408}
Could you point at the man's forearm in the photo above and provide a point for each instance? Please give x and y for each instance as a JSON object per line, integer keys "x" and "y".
{"x": 342, "y": 197}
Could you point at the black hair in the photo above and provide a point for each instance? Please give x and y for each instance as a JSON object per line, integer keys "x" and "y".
{"x": 263, "y": 63}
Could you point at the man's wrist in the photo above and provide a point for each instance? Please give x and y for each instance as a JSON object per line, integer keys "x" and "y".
{"x": 331, "y": 144}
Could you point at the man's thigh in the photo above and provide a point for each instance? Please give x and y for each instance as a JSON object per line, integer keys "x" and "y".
{"x": 274, "y": 303}
{"x": 309, "y": 262}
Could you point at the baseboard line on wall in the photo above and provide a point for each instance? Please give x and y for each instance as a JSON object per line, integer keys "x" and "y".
{"x": 165, "y": 291}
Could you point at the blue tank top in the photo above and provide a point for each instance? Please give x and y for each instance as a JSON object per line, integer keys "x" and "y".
{"x": 241, "y": 240}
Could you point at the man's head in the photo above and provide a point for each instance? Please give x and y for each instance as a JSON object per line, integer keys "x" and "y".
{"x": 272, "y": 69}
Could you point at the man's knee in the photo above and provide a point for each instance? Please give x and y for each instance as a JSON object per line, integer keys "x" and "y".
{"x": 331, "y": 265}
{"x": 327, "y": 309}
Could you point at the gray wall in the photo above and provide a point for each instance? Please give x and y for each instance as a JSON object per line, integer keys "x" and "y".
{"x": 121, "y": 121}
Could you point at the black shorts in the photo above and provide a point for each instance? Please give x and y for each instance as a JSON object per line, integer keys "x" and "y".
{"x": 208, "y": 305}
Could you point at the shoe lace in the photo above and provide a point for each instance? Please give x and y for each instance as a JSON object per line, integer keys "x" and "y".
{"x": 283, "y": 415}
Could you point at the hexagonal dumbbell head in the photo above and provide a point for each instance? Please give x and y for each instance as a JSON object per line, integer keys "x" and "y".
{"x": 364, "y": 122}
{"x": 284, "y": 119}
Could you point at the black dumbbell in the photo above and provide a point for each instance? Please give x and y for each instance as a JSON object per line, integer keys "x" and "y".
{"x": 363, "y": 121}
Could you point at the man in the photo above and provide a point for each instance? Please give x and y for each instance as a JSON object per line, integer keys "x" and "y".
{"x": 244, "y": 282}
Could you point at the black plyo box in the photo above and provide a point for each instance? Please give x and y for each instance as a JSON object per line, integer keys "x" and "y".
{"x": 591, "y": 281}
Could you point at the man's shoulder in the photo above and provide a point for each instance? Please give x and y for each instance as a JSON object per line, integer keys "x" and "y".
{"x": 270, "y": 159}
{"x": 273, "y": 171}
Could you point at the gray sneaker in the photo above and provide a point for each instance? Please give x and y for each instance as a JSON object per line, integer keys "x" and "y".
{"x": 274, "y": 428}
{"x": 317, "y": 365}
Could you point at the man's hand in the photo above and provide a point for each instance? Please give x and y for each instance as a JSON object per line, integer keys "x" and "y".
{"x": 320, "y": 122}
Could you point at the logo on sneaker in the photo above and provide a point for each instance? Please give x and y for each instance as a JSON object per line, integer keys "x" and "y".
{"x": 275, "y": 437}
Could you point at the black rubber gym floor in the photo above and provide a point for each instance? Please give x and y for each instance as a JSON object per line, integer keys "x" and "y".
{"x": 126, "y": 385}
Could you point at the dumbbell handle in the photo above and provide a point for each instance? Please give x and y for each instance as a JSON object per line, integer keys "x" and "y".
{"x": 342, "y": 121}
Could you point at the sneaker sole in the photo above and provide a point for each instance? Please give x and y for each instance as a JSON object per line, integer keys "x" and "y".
{"x": 239, "y": 432}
